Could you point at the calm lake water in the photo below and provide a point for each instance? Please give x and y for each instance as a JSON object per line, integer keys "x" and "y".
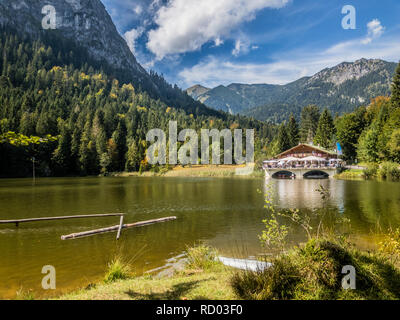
{"x": 225, "y": 212}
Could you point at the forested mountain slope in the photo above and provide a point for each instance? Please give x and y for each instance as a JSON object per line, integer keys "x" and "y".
{"x": 87, "y": 25}
{"x": 100, "y": 123}
{"x": 340, "y": 89}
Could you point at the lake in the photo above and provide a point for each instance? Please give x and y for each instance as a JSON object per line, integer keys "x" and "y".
{"x": 224, "y": 212}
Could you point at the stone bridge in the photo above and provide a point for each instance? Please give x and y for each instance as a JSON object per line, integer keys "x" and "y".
{"x": 301, "y": 173}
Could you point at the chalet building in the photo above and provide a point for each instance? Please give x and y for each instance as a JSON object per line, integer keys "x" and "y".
{"x": 304, "y": 156}
{"x": 307, "y": 150}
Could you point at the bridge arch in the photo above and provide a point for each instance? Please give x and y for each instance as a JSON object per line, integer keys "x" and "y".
{"x": 316, "y": 174}
{"x": 284, "y": 174}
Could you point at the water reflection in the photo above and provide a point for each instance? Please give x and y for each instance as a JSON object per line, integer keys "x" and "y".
{"x": 372, "y": 206}
{"x": 303, "y": 193}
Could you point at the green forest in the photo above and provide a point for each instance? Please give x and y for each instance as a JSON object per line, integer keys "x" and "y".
{"x": 369, "y": 135}
{"x": 71, "y": 117}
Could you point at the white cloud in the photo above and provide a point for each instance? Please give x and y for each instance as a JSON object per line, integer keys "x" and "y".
{"x": 131, "y": 38}
{"x": 289, "y": 66}
{"x": 375, "y": 30}
{"x": 138, "y": 9}
{"x": 213, "y": 72}
{"x": 218, "y": 42}
{"x": 185, "y": 25}
{"x": 240, "y": 48}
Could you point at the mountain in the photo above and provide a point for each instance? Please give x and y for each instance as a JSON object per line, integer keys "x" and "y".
{"x": 341, "y": 89}
{"x": 84, "y": 21}
{"x": 83, "y": 89}
{"x": 86, "y": 25}
{"x": 196, "y": 91}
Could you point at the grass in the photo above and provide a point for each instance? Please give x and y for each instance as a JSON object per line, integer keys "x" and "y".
{"x": 201, "y": 257}
{"x": 23, "y": 294}
{"x": 211, "y": 285}
{"x": 204, "y": 278}
{"x": 314, "y": 272}
{"x": 351, "y": 174}
{"x": 117, "y": 269}
{"x": 203, "y": 171}
{"x": 384, "y": 171}
{"x": 195, "y": 171}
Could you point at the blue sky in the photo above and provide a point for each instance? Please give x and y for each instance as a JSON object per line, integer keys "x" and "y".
{"x": 212, "y": 42}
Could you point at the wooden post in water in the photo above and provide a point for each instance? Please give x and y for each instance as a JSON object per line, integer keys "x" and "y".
{"x": 115, "y": 228}
{"x": 33, "y": 171}
{"x": 121, "y": 222}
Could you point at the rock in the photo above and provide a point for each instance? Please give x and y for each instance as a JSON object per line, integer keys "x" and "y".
{"x": 84, "y": 21}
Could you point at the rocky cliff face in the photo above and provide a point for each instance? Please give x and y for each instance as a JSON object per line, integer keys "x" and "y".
{"x": 196, "y": 91}
{"x": 84, "y": 21}
{"x": 352, "y": 71}
{"x": 89, "y": 26}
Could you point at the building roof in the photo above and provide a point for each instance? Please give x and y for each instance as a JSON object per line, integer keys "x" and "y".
{"x": 302, "y": 145}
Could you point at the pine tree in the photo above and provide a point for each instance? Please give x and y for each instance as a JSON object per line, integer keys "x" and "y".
{"x": 394, "y": 146}
{"x": 395, "y": 99}
{"x": 105, "y": 162}
{"x": 283, "y": 139}
{"x": 132, "y": 157}
{"x": 119, "y": 137}
{"x": 309, "y": 122}
{"x": 325, "y": 131}
{"x": 62, "y": 155}
{"x": 368, "y": 145}
{"x": 349, "y": 127}
{"x": 112, "y": 151}
{"x": 27, "y": 124}
{"x": 87, "y": 152}
{"x": 293, "y": 131}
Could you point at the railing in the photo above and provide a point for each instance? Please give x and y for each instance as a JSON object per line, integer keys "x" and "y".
{"x": 300, "y": 167}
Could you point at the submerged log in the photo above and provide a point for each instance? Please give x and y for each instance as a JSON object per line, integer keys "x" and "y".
{"x": 18, "y": 221}
{"x": 115, "y": 228}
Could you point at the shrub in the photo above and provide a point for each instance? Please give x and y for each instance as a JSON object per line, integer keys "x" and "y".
{"x": 201, "y": 257}
{"x": 117, "y": 269}
{"x": 164, "y": 170}
{"x": 390, "y": 245}
{"x": 371, "y": 171}
{"x": 275, "y": 283}
{"x": 314, "y": 271}
{"x": 389, "y": 170}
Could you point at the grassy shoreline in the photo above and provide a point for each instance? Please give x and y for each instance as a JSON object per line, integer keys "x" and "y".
{"x": 352, "y": 174}
{"x": 311, "y": 271}
{"x": 195, "y": 171}
{"x": 200, "y": 277}
{"x": 389, "y": 171}
{"x": 188, "y": 285}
